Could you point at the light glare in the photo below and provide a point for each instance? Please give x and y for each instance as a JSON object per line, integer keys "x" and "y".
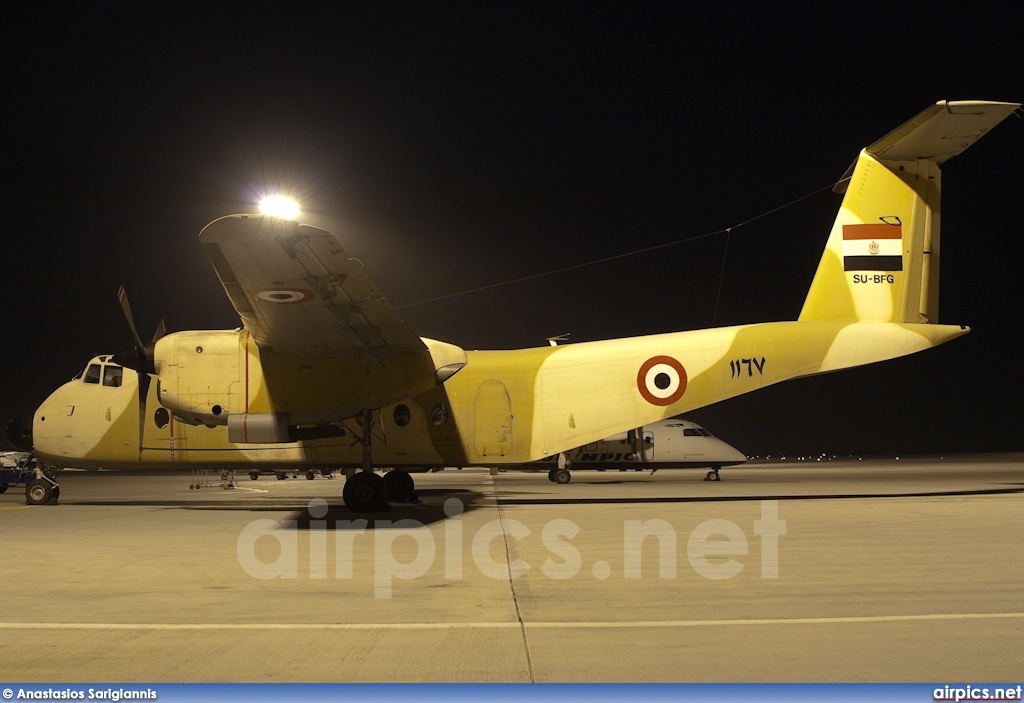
{"x": 279, "y": 206}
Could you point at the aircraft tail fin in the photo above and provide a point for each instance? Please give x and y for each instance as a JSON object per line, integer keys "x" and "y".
{"x": 881, "y": 262}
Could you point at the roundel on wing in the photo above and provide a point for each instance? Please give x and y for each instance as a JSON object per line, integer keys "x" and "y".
{"x": 285, "y": 295}
{"x": 661, "y": 380}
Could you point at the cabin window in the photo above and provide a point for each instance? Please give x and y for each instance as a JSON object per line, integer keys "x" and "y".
{"x": 439, "y": 414}
{"x": 92, "y": 374}
{"x": 402, "y": 415}
{"x": 690, "y": 432}
{"x": 161, "y": 418}
{"x": 112, "y": 376}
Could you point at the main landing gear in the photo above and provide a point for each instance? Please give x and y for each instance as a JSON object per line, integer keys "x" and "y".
{"x": 401, "y": 486}
{"x": 365, "y": 491}
{"x": 712, "y": 475}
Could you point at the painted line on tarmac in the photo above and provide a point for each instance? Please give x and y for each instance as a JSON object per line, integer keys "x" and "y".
{"x": 497, "y": 625}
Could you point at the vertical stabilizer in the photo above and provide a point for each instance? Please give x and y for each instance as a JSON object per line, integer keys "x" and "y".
{"x": 881, "y": 262}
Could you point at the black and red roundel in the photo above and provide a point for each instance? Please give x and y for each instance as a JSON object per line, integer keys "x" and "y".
{"x": 661, "y": 380}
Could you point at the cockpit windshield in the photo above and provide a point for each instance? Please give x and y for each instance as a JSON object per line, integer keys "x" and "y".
{"x": 92, "y": 374}
{"x": 112, "y": 376}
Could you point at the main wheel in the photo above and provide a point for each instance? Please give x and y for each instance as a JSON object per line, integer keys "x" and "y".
{"x": 365, "y": 492}
{"x": 38, "y": 492}
{"x": 396, "y": 491}
{"x": 253, "y": 475}
{"x": 551, "y": 475}
{"x": 400, "y": 485}
{"x": 408, "y": 485}
{"x": 562, "y": 476}
{"x": 3, "y": 487}
{"x": 281, "y": 477}
{"x": 310, "y": 475}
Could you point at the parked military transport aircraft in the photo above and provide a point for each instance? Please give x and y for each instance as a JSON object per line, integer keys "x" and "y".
{"x": 325, "y": 373}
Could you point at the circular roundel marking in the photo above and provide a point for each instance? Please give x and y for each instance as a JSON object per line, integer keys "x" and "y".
{"x": 661, "y": 380}
{"x": 285, "y": 295}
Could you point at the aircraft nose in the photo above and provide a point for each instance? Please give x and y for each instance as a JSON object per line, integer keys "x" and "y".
{"x": 19, "y": 433}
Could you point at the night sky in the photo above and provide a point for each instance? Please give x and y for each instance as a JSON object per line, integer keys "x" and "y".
{"x": 453, "y": 146}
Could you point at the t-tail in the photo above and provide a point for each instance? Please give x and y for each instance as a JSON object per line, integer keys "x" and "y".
{"x": 881, "y": 263}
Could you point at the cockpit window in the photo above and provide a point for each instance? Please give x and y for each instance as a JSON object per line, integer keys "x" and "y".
{"x": 112, "y": 376}
{"x": 690, "y": 432}
{"x": 92, "y": 374}
{"x": 704, "y": 432}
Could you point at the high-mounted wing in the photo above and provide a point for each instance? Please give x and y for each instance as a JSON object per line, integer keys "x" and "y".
{"x": 299, "y": 293}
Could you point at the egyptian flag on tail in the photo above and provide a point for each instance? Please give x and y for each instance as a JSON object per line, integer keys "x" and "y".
{"x": 873, "y": 247}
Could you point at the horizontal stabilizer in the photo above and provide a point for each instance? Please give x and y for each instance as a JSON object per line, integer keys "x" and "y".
{"x": 939, "y": 133}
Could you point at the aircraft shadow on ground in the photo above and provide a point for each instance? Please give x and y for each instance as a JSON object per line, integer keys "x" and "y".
{"x": 431, "y": 510}
{"x": 335, "y": 517}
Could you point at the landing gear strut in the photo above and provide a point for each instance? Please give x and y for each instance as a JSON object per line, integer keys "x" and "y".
{"x": 712, "y": 475}
{"x": 365, "y": 491}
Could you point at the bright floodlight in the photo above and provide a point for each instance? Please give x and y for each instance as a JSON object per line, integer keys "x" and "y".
{"x": 279, "y": 206}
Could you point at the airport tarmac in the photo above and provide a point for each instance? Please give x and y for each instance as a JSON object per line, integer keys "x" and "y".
{"x": 839, "y": 571}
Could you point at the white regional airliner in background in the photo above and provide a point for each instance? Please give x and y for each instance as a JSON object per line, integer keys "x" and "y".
{"x": 324, "y": 372}
{"x": 672, "y": 443}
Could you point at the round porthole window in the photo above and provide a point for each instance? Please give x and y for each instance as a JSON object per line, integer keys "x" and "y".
{"x": 402, "y": 415}
{"x": 161, "y": 418}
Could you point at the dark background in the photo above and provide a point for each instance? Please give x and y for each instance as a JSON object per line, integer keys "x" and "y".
{"x": 457, "y": 145}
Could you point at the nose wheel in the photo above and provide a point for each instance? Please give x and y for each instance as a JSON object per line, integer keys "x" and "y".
{"x": 712, "y": 475}
{"x": 44, "y": 487}
{"x": 561, "y": 476}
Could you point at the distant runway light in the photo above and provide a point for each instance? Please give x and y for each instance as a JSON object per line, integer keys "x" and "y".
{"x": 279, "y": 206}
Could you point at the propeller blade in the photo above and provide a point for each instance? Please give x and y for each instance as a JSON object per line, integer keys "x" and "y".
{"x": 161, "y": 330}
{"x": 122, "y": 297}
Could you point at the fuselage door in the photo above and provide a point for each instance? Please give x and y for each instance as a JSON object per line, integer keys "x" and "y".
{"x": 492, "y": 411}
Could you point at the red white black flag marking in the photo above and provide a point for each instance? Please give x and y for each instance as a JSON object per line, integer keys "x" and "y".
{"x": 873, "y": 247}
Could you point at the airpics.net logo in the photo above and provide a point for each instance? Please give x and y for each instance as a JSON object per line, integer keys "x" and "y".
{"x": 712, "y": 548}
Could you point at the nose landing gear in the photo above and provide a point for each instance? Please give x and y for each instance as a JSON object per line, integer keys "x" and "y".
{"x": 44, "y": 487}
{"x": 712, "y": 475}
